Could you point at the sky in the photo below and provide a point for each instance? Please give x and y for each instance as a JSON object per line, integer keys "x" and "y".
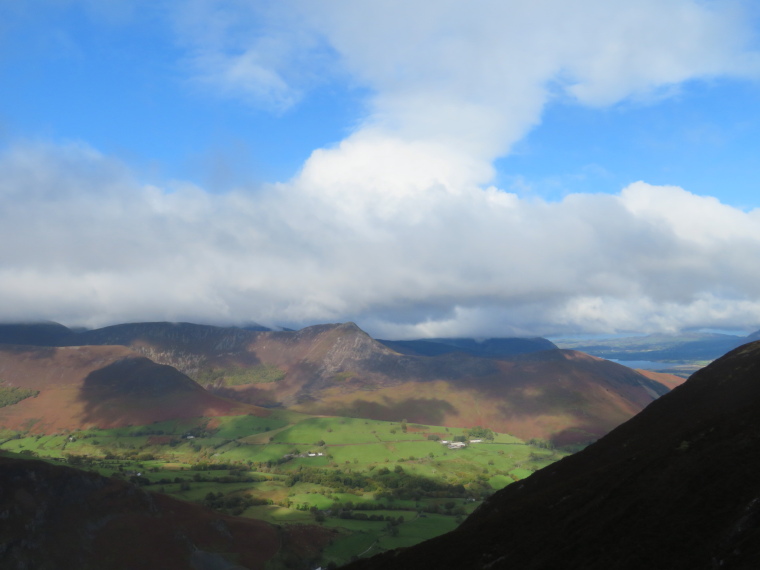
{"x": 422, "y": 168}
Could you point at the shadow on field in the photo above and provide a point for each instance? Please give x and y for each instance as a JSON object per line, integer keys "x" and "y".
{"x": 417, "y": 410}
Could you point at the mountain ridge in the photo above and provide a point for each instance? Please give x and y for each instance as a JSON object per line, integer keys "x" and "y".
{"x": 338, "y": 369}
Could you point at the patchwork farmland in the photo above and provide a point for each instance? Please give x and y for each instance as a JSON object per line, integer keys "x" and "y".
{"x": 378, "y": 484}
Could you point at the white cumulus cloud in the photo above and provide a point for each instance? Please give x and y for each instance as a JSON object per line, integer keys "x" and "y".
{"x": 84, "y": 242}
{"x": 397, "y": 226}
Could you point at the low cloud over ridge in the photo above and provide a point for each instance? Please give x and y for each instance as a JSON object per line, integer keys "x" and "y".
{"x": 84, "y": 242}
{"x": 398, "y": 226}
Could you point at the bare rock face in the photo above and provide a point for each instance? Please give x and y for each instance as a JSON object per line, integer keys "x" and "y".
{"x": 675, "y": 487}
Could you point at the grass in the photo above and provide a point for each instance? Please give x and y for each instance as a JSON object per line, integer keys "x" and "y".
{"x": 240, "y": 446}
{"x": 343, "y": 549}
{"x": 499, "y": 481}
{"x": 419, "y": 529}
{"x": 242, "y": 426}
{"x": 10, "y": 395}
{"x": 521, "y": 473}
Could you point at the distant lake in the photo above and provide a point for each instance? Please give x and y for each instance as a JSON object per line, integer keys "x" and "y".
{"x": 644, "y": 364}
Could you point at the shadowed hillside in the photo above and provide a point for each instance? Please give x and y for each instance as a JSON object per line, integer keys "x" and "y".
{"x": 675, "y": 487}
{"x": 104, "y": 386}
{"x": 487, "y": 348}
{"x": 34, "y": 334}
{"x": 564, "y": 396}
{"x": 55, "y": 517}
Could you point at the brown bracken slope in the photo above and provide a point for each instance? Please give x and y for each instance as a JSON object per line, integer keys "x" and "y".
{"x": 676, "y": 487}
{"x": 55, "y": 518}
{"x": 103, "y": 386}
{"x": 562, "y": 395}
{"x": 337, "y": 369}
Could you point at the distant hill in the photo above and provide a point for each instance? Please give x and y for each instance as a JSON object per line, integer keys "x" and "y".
{"x": 104, "y": 386}
{"x": 526, "y": 387}
{"x": 753, "y": 336}
{"x": 34, "y": 334}
{"x": 194, "y": 337}
{"x": 675, "y": 487}
{"x": 56, "y": 517}
{"x": 487, "y": 348}
{"x": 686, "y": 347}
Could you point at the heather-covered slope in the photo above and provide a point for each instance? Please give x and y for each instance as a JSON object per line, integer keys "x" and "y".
{"x": 55, "y": 517}
{"x": 338, "y": 369}
{"x": 104, "y": 386}
{"x": 488, "y": 348}
{"x": 675, "y": 487}
{"x": 565, "y": 396}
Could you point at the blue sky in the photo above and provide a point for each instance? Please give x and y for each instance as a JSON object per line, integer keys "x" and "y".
{"x": 121, "y": 85}
{"x": 422, "y": 168}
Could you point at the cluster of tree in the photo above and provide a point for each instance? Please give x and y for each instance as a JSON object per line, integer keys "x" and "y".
{"x": 365, "y": 517}
{"x": 206, "y": 466}
{"x": 233, "y": 477}
{"x": 383, "y": 482}
{"x": 10, "y": 395}
{"x": 542, "y": 443}
{"x": 448, "y": 508}
{"x": 479, "y": 432}
{"x": 128, "y": 455}
{"x": 233, "y": 504}
{"x": 78, "y": 460}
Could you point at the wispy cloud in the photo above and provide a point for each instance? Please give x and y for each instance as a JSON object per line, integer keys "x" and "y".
{"x": 473, "y": 75}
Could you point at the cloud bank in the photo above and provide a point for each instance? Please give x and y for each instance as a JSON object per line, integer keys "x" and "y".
{"x": 84, "y": 242}
{"x": 397, "y": 227}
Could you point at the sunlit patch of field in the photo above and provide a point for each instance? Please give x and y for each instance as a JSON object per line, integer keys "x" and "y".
{"x": 209, "y": 460}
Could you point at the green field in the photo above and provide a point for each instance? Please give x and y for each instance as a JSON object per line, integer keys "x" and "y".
{"x": 382, "y": 484}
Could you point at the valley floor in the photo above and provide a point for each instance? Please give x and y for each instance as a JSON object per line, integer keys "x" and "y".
{"x": 381, "y": 485}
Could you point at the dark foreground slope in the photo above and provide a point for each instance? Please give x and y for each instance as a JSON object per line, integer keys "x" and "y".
{"x": 676, "y": 487}
{"x": 55, "y": 518}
